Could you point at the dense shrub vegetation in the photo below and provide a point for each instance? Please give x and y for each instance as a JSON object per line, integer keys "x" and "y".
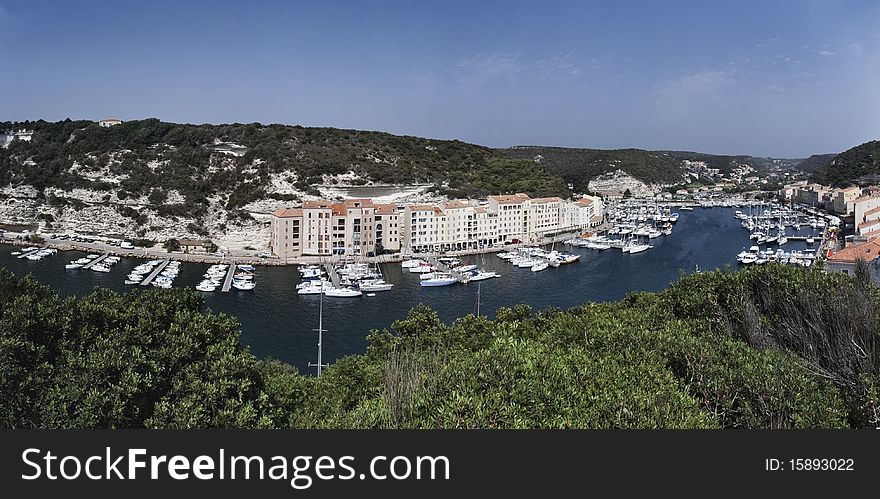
{"x": 859, "y": 165}
{"x": 769, "y": 347}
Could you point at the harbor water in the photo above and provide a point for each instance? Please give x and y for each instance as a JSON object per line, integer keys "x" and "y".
{"x": 278, "y": 323}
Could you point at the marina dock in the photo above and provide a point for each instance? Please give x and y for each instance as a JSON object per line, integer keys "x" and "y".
{"x": 155, "y": 272}
{"x": 24, "y": 254}
{"x": 230, "y": 273}
{"x": 96, "y": 261}
{"x": 444, "y": 268}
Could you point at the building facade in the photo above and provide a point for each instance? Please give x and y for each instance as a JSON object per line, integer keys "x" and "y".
{"x": 358, "y": 227}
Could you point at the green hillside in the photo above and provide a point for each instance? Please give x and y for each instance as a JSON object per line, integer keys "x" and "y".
{"x": 859, "y": 165}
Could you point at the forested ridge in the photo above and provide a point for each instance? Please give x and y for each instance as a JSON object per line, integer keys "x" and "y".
{"x": 144, "y": 157}
{"x": 767, "y": 347}
{"x": 858, "y": 165}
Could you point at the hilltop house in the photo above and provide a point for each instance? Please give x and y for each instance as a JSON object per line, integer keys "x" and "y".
{"x": 108, "y": 122}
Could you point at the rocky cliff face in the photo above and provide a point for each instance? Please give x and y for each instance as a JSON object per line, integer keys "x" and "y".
{"x": 619, "y": 181}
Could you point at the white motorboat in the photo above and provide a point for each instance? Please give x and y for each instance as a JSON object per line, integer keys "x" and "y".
{"x": 342, "y": 292}
{"x": 377, "y": 285}
{"x": 206, "y": 286}
{"x": 439, "y": 280}
{"x": 429, "y": 275}
{"x": 540, "y": 266}
{"x": 72, "y": 265}
{"x": 312, "y": 287}
{"x": 100, "y": 268}
{"x": 638, "y": 248}
{"x": 408, "y": 264}
{"x": 246, "y": 267}
{"x": 566, "y": 258}
{"x": 421, "y": 269}
{"x": 482, "y": 276}
{"x": 15, "y": 253}
{"x": 811, "y": 240}
{"x": 243, "y": 285}
{"x": 596, "y": 246}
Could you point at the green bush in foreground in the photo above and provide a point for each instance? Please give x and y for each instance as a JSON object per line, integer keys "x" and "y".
{"x": 769, "y": 347}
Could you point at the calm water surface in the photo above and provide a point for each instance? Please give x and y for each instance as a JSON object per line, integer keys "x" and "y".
{"x": 278, "y": 323}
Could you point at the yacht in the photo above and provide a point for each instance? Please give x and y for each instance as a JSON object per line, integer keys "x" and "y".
{"x": 72, "y": 265}
{"x": 312, "y": 287}
{"x": 100, "y": 268}
{"x": 439, "y": 280}
{"x": 206, "y": 286}
{"x": 375, "y": 285}
{"x": 540, "y": 266}
{"x": 342, "y": 292}
{"x": 481, "y": 275}
{"x": 243, "y": 285}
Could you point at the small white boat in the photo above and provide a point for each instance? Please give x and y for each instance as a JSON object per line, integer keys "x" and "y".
{"x": 482, "y": 276}
{"x": 408, "y": 264}
{"x": 243, "y": 286}
{"x": 439, "y": 280}
{"x": 371, "y": 294}
{"x": 373, "y": 286}
{"x": 540, "y": 266}
{"x": 342, "y": 292}
{"x": 206, "y": 286}
{"x": 811, "y": 240}
{"x": 100, "y": 268}
{"x": 15, "y": 253}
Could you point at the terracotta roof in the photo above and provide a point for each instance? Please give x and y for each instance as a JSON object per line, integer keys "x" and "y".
{"x": 585, "y": 201}
{"x": 288, "y": 212}
{"x": 509, "y": 198}
{"x": 868, "y": 251}
{"x": 456, "y": 203}
{"x": 386, "y": 209}
{"x": 338, "y": 209}
{"x": 353, "y": 203}
{"x": 869, "y": 223}
{"x": 872, "y": 211}
{"x": 316, "y": 203}
{"x": 862, "y": 199}
{"x": 421, "y": 207}
{"x": 546, "y": 200}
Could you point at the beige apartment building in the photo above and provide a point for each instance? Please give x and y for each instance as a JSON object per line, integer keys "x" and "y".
{"x": 512, "y": 210}
{"x": 322, "y": 228}
{"x": 358, "y": 227}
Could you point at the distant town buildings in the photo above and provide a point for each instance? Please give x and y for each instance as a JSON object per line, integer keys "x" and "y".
{"x": 360, "y": 227}
{"x": 108, "y": 122}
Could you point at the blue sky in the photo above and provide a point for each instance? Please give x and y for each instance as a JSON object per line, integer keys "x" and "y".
{"x": 781, "y": 78}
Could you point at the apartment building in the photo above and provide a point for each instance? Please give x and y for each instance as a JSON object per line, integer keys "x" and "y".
{"x": 286, "y": 232}
{"x": 842, "y": 199}
{"x": 583, "y": 213}
{"x": 513, "y": 212}
{"x": 360, "y": 227}
{"x": 866, "y": 217}
{"x": 544, "y": 217}
{"x": 388, "y": 225}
